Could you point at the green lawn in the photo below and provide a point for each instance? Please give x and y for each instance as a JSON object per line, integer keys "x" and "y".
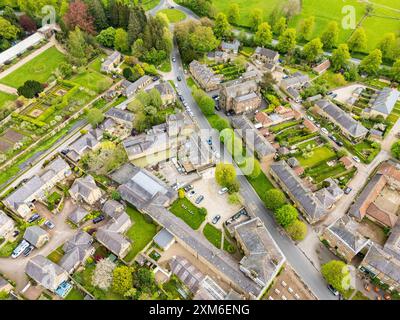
{"x": 188, "y": 212}
{"x": 359, "y": 296}
{"x": 149, "y": 4}
{"x": 75, "y": 294}
{"x": 93, "y": 80}
{"x": 56, "y": 255}
{"x": 165, "y": 66}
{"x": 316, "y": 156}
{"x": 141, "y": 232}
{"x": 261, "y": 184}
{"x": 213, "y": 235}
{"x": 6, "y": 97}
{"x": 40, "y": 68}
{"x": 173, "y": 15}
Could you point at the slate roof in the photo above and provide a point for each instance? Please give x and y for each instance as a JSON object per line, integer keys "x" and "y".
{"x": 137, "y": 85}
{"x": 45, "y": 272}
{"x": 78, "y": 215}
{"x": 233, "y": 46}
{"x": 76, "y": 250}
{"x": 5, "y": 220}
{"x": 296, "y": 80}
{"x": 110, "y": 60}
{"x": 203, "y": 73}
{"x": 113, "y": 241}
{"x": 263, "y": 257}
{"x": 112, "y": 208}
{"x": 312, "y": 206}
{"x": 121, "y": 115}
{"x": 248, "y": 132}
{"x": 86, "y": 142}
{"x": 163, "y": 238}
{"x": 270, "y": 54}
{"x": 83, "y": 187}
{"x": 346, "y": 230}
{"x": 348, "y": 124}
{"x": 164, "y": 88}
{"x": 33, "y": 234}
{"x": 392, "y": 244}
{"x": 385, "y": 100}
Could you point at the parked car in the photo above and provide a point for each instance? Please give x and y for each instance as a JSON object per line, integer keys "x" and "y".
{"x": 333, "y": 290}
{"x": 49, "y": 224}
{"x": 91, "y": 231}
{"x": 356, "y": 159}
{"x": 209, "y": 141}
{"x": 229, "y": 113}
{"x": 179, "y": 78}
{"x": 98, "y": 219}
{"x": 64, "y": 152}
{"x": 19, "y": 249}
{"x": 155, "y": 78}
{"x": 223, "y": 190}
{"x": 216, "y": 219}
{"x": 199, "y": 199}
{"x": 324, "y": 131}
{"x": 191, "y": 193}
{"x": 339, "y": 143}
{"x": 33, "y": 218}
{"x": 188, "y": 188}
{"x": 15, "y": 233}
{"x": 217, "y": 107}
{"x": 173, "y": 59}
{"x": 28, "y": 251}
{"x": 347, "y": 190}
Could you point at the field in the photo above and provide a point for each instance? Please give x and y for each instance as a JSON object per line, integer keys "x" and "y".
{"x": 173, "y": 15}
{"x": 141, "y": 232}
{"x": 40, "y": 68}
{"x": 316, "y": 156}
{"x": 380, "y": 22}
{"x": 93, "y": 81}
{"x": 6, "y": 97}
{"x": 188, "y": 212}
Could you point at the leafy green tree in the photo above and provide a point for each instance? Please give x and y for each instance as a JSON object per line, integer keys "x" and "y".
{"x": 306, "y": 27}
{"x": 155, "y": 97}
{"x": 139, "y": 49}
{"x": 286, "y": 215}
{"x": 340, "y": 57}
{"x": 225, "y": 174}
{"x": 233, "y": 13}
{"x": 94, "y": 117}
{"x": 144, "y": 279}
{"x": 395, "y": 71}
{"x": 297, "y": 230}
{"x": 9, "y": 14}
{"x": 222, "y": 29}
{"x": 287, "y": 41}
{"x": 263, "y": 36}
{"x": 106, "y": 37}
{"x": 337, "y": 274}
{"x": 4, "y": 295}
{"x": 221, "y": 124}
{"x": 312, "y": 50}
{"x": 203, "y": 39}
{"x": 128, "y": 74}
{"x": 371, "y": 63}
{"x": 77, "y": 47}
{"x": 274, "y": 199}
{"x": 122, "y": 279}
{"x": 97, "y": 11}
{"x": 358, "y": 40}
{"x": 251, "y": 167}
{"x": 395, "y": 149}
{"x": 30, "y": 89}
{"x": 7, "y": 30}
{"x": 206, "y": 104}
{"x": 65, "y": 69}
{"x": 330, "y": 36}
{"x": 255, "y": 19}
{"x": 388, "y": 45}
{"x": 121, "y": 40}
{"x": 280, "y": 26}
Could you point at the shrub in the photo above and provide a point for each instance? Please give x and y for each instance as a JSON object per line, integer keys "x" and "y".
{"x": 286, "y": 215}
{"x": 274, "y": 199}
{"x": 297, "y": 230}
{"x": 30, "y": 89}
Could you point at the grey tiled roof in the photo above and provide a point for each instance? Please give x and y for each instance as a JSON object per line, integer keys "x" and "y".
{"x": 348, "y": 124}
{"x": 345, "y": 229}
{"x": 385, "y": 100}
{"x": 78, "y": 215}
{"x": 312, "y": 207}
{"x": 121, "y": 115}
{"x": 76, "y": 251}
{"x": 137, "y": 85}
{"x": 234, "y": 45}
{"x": 113, "y": 241}
{"x": 33, "y": 234}
{"x": 384, "y": 262}
{"x": 270, "y": 54}
{"x": 163, "y": 238}
{"x": 296, "y": 80}
{"x": 45, "y": 272}
{"x": 112, "y": 208}
{"x": 83, "y": 187}
{"x": 392, "y": 244}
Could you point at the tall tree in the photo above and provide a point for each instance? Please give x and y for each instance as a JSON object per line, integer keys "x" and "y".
{"x": 340, "y": 57}
{"x": 263, "y": 36}
{"x": 274, "y": 199}
{"x": 27, "y": 23}
{"x": 286, "y": 215}
{"x": 7, "y": 30}
{"x": 358, "y": 40}
{"x": 222, "y": 28}
{"x": 388, "y": 45}
{"x": 121, "y": 40}
{"x": 371, "y": 63}
{"x": 255, "y": 19}
{"x": 106, "y": 37}
{"x": 337, "y": 274}
{"x": 280, "y": 26}
{"x": 306, "y": 28}
{"x": 203, "y": 39}
{"x": 287, "y": 41}
{"x": 225, "y": 174}
{"x": 97, "y": 11}
{"x": 76, "y": 45}
{"x": 312, "y": 50}
{"x": 94, "y": 117}
{"x": 78, "y": 16}
{"x": 330, "y": 36}
{"x": 233, "y": 13}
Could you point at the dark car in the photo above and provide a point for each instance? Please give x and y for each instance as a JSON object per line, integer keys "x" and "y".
{"x": 91, "y": 231}
{"x": 333, "y": 290}
{"x": 340, "y": 143}
{"x": 199, "y": 199}
{"x": 155, "y": 78}
{"x": 179, "y": 78}
{"x": 15, "y": 233}
{"x": 28, "y": 251}
{"x": 217, "y": 107}
{"x": 33, "y": 218}
{"x": 347, "y": 190}
{"x": 64, "y": 152}
{"x": 229, "y": 113}
{"x": 98, "y": 219}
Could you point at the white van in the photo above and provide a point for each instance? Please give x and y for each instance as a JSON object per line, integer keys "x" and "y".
{"x": 18, "y": 250}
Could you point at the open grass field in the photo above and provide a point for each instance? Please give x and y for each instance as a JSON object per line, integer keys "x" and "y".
{"x": 141, "y": 232}
{"x": 173, "y": 15}
{"x": 6, "y": 97}
{"x": 188, "y": 212}
{"x": 40, "y": 68}
{"x": 150, "y": 4}
{"x": 385, "y": 18}
{"x": 316, "y": 156}
{"x": 93, "y": 80}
